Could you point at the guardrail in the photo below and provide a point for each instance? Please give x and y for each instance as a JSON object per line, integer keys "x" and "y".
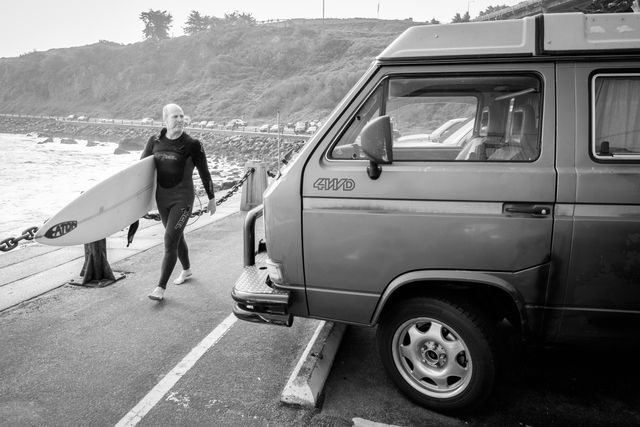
{"x": 247, "y": 130}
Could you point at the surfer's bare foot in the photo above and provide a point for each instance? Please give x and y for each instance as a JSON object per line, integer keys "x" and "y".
{"x": 182, "y": 277}
{"x": 157, "y": 294}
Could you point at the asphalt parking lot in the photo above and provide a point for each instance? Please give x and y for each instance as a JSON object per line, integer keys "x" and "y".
{"x": 87, "y": 356}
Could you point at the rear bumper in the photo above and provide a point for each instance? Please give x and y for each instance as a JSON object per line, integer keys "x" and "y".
{"x": 256, "y": 301}
{"x": 255, "y": 297}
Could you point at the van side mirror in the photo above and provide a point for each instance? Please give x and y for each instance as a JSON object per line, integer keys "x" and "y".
{"x": 376, "y": 142}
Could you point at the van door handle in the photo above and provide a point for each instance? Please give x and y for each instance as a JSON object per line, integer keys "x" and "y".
{"x": 527, "y": 209}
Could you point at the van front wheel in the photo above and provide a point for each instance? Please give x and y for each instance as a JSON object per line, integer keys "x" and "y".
{"x": 438, "y": 352}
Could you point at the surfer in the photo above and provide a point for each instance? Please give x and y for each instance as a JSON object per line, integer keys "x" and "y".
{"x": 176, "y": 154}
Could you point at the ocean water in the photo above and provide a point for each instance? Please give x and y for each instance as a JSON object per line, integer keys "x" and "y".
{"x": 37, "y": 180}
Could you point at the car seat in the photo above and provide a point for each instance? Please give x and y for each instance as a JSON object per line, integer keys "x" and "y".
{"x": 522, "y": 137}
{"x": 491, "y": 134}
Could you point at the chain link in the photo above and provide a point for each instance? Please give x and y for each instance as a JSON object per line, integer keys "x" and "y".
{"x": 28, "y": 234}
{"x": 231, "y": 192}
{"x": 12, "y": 242}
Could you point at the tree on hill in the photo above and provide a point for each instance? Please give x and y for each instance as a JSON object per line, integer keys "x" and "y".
{"x": 196, "y": 23}
{"x": 492, "y": 9}
{"x": 237, "y": 18}
{"x": 464, "y": 18}
{"x": 156, "y": 24}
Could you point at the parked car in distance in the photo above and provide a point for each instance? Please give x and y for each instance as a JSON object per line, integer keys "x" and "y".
{"x": 274, "y": 128}
{"x": 83, "y": 118}
{"x": 203, "y": 123}
{"x": 300, "y": 127}
{"x": 71, "y": 117}
{"x": 211, "y": 124}
{"x": 147, "y": 121}
{"x": 447, "y": 128}
{"x": 264, "y": 128}
{"x": 312, "y": 129}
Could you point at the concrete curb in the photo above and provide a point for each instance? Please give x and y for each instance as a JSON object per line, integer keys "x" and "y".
{"x": 308, "y": 377}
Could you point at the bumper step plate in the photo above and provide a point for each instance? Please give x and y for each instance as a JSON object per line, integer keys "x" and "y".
{"x": 256, "y": 301}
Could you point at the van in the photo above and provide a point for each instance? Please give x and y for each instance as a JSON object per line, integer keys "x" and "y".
{"x": 532, "y": 222}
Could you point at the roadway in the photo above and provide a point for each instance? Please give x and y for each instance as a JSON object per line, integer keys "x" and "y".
{"x": 194, "y": 129}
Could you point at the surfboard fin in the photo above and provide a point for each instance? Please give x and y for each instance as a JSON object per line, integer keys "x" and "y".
{"x": 132, "y": 232}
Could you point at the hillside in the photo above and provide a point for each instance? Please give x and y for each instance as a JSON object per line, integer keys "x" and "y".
{"x": 301, "y": 68}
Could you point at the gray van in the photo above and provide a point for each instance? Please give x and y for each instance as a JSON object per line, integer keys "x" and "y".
{"x": 532, "y": 219}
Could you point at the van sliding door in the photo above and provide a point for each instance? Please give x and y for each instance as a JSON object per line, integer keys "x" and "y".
{"x": 599, "y": 202}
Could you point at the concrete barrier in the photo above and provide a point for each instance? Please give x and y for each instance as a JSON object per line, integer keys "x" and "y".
{"x": 310, "y": 374}
{"x": 254, "y": 186}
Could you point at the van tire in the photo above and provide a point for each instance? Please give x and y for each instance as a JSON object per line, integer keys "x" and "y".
{"x": 452, "y": 344}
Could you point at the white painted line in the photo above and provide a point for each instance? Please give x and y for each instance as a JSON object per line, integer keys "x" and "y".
{"x": 361, "y": 422}
{"x": 155, "y": 395}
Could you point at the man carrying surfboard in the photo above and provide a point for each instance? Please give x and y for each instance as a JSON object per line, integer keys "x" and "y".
{"x": 175, "y": 155}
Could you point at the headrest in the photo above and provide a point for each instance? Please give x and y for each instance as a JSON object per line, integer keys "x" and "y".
{"x": 523, "y": 122}
{"x": 495, "y": 120}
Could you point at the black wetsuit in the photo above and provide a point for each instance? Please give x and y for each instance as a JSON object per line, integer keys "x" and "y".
{"x": 175, "y": 160}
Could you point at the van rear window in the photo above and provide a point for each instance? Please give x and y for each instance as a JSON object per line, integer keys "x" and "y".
{"x": 615, "y": 117}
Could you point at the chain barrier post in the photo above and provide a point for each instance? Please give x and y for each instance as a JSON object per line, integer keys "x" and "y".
{"x": 96, "y": 271}
{"x": 254, "y": 186}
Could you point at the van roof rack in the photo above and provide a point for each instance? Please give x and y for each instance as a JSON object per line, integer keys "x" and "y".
{"x": 540, "y": 35}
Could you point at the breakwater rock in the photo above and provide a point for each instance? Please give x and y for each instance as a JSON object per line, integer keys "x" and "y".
{"x": 235, "y": 149}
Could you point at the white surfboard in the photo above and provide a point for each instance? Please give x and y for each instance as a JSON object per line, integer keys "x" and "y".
{"x": 106, "y": 208}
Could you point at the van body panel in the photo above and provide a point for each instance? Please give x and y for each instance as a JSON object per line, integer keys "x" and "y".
{"x": 283, "y": 204}
{"x": 512, "y": 37}
{"x": 526, "y": 288}
{"x": 360, "y": 234}
{"x": 602, "y": 254}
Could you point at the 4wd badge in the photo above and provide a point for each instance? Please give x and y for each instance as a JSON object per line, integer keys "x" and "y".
{"x": 335, "y": 184}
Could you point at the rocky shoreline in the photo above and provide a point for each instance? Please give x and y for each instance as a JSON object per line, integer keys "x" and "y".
{"x": 236, "y": 150}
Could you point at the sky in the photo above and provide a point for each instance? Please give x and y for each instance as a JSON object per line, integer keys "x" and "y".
{"x": 40, "y": 25}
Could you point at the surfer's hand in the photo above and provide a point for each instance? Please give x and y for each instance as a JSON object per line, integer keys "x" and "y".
{"x": 212, "y": 206}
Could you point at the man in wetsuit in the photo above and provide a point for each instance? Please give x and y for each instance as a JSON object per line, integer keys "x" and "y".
{"x": 176, "y": 154}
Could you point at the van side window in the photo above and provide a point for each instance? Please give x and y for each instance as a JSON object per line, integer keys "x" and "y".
{"x": 465, "y": 118}
{"x": 615, "y": 113}
{"x": 348, "y": 146}
{"x": 459, "y": 118}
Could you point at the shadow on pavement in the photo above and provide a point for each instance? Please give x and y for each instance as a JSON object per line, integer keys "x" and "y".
{"x": 556, "y": 386}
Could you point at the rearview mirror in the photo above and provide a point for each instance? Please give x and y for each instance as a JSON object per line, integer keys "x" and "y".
{"x": 376, "y": 141}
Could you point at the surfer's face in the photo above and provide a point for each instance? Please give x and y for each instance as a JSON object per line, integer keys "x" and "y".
{"x": 174, "y": 120}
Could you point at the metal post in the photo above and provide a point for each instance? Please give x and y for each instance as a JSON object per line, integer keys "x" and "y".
{"x": 278, "y": 125}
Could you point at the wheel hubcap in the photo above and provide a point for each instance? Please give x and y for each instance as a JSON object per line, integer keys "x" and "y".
{"x": 433, "y": 354}
{"x": 432, "y": 357}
